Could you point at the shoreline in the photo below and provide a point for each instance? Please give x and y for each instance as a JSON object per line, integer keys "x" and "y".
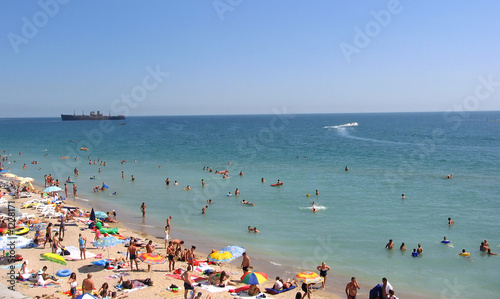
{"x": 147, "y": 233}
{"x": 336, "y": 280}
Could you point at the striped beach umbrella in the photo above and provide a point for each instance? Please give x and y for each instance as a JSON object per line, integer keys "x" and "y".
{"x": 152, "y": 258}
{"x": 308, "y": 277}
{"x": 254, "y": 278}
{"x": 221, "y": 256}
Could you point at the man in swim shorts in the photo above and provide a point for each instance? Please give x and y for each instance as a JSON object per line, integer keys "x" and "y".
{"x": 132, "y": 250}
{"x": 190, "y": 256}
{"x": 171, "y": 255}
{"x": 351, "y": 289}
{"x": 188, "y": 283}
{"x": 245, "y": 263}
{"x": 88, "y": 284}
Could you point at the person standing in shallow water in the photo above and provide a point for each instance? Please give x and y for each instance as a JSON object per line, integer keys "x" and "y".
{"x": 323, "y": 271}
{"x": 143, "y": 209}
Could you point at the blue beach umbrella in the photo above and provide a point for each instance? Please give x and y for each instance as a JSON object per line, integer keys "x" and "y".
{"x": 235, "y": 250}
{"x": 52, "y": 189}
{"x": 108, "y": 241}
{"x": 18, "y": 241}
{"x": 38, "y": 227}
{"x": 100, "y": 215}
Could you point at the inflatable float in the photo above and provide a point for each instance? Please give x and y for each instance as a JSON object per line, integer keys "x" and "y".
{"x": 274, "y": 292}
{"x": 277, "y": 184}
{"x": 18, "y": 230}
{"x": 109, "y": 231}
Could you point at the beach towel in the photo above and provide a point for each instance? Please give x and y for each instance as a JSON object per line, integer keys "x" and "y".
{"x": 202, "y": 267}
{"x": 115, "y": 276}
{"x": 74, "y": 253}
{"x": 137, "y": 286}
{"x": 245, "y": 295}
{"x": 215, "y": 289}
{"x": 178, "y": 276}
{"x": 99, "y": 262}
{"x": 240, "y": 289}
{"x": 273, "y": 291}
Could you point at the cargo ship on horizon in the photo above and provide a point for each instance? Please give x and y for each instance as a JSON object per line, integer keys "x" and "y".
{"x": 91, "y": 116}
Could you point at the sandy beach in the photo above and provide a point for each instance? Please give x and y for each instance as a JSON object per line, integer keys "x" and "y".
{"x": 101, "y": 275}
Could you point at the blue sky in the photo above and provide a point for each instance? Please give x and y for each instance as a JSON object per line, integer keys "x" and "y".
{"x": 247, "y": 56}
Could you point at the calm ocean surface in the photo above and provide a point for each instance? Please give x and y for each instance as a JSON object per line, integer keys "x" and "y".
{"x": 359, "y": 210}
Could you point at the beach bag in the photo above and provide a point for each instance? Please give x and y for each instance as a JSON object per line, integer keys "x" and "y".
{"x": 65, "y": 252}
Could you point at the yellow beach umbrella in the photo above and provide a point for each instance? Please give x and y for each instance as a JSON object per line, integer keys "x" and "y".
{"x": 55, "y": 258}
{"x": 221, "y": 256}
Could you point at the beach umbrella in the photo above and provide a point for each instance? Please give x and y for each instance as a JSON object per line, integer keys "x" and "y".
{"x": 101, "y": 215}
{"x": 55, "y": 258}
{"x": 254, "y": 278}
{"x": 38, "y": 227}
{"x": 221, "y": 256}
{"x": 107, "y": 241}
{"x": 52, "y": 189}
{"x": 6, "y": 209}
{"x": 92, "y": 215}
{"x": 19, "y": 242}
{"x": 308, "y": 277}
{"x": 236, "y": 251}
{"x": 86, "y": 296}
{"x": 152, "y": 258}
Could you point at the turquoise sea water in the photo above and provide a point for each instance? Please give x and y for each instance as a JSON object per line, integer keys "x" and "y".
{"x": 359, "y": 210}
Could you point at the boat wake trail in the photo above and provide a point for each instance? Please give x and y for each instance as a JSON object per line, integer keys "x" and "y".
{"x": 354, "y": 124}
{"x": 343, "y": 131}
{"x": 317, "y": 208}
